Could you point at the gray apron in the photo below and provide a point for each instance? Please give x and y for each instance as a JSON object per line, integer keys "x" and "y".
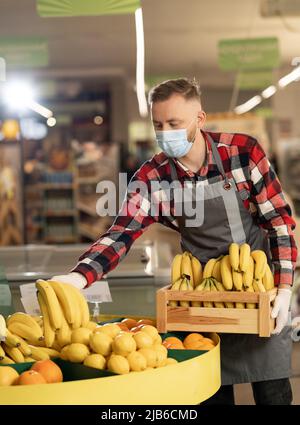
{"x": 244, "y": 357}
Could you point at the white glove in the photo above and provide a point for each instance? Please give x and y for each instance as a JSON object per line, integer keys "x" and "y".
{"x": 280, "y": 311}
{"x": 73, "y": 278}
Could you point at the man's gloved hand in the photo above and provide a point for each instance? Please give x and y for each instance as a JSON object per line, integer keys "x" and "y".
{"x": 73, "y": 278}
{"x": 280, "y": 311}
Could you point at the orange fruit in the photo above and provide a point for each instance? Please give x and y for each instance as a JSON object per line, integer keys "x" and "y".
{"x": 145, "y": 322}
{"x": 193, "y": 337}
{"x": 49, "y": 370}
{"x": 31, "y": 377}
{"x": 130, "y": 323}
{"x": 123, "y": 327}
{"x": 176, "y": 347}
{"x": 174, "y": 340}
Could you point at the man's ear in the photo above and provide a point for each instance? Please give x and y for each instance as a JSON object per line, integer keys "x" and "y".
{"x": 201, "y": 118}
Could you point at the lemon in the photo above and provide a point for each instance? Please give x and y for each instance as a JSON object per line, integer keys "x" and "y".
{"x": 76, "y": 353}
{"x": 170, "y": 361}
{"x": 150, "y": 356}
{"x": 96, "y": 361}
{"x": 151, "y": 331}
{"x": 137, "y": 362}
{"x": 8, "y": 376}
{"x": 81, "y": 335}
{"x": 124, "y": 344}
{"x": 101, "y": 343}
{"x": 143, "y": 340}
{"x": 109, "y": 329}
{"x": 118, "y": 364}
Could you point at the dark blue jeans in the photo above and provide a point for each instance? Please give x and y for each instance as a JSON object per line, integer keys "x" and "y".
{"x": 275, "y": 392}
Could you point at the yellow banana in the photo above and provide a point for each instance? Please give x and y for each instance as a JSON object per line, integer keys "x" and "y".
{"x": 226, "y": 273}
{"x": 24, "y": 347}
{"x": 250, "y": 289}
{"x": 50, "y": 351}
{"x": 6, "y": 360}
{"x": 207, "y": 304}
{"x": 248, "y": 275}
{"x": 38, "y": 353}
{"x": 268, "y": 279}
{"x": 28, "y": 333}
{"x": 221, "y": 288}
{"x": 176, "y": 268}
{"x": 186, "y": 267}
{"x": 208, "y": 268}
{"x": 11, "y": 340}
{"x": 49, "y": 296}
{"x": 258, "y": 286}
{"x": 2, "y": 353}
{"x": 214, "y": 288}
{"x": 49, "y": 333}
{"x": 234, "y": 256}
{"x": 245, "y": 255}
{"x": 62, "y": 292}
{"x": 260, "y": 260}
{"x": 26, "y": 320}
{"x": 237, "y": 278}
{"x": 175, "y": 287}
{"x": 198, "y": 287}
{"x": 239, "y": 305}
{"x": 216, "y": 273}
{"x": 63, "y": 335}
{"x": 185, "y": 286}
{"x": 83, "y": 307}
{"x": 29, "y": 359}
{"x": 14, "y": 353}
{"x": 197, "y": 271}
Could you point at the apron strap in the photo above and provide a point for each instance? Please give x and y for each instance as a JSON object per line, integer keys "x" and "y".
{"x": 174, "y": 175}
{"x": 218, "y": 161}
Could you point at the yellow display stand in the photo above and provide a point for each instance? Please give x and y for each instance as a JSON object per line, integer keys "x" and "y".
{"x": 188, "y": 382}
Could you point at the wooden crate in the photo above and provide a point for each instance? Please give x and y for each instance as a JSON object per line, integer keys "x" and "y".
{"x": 223, "y": 320}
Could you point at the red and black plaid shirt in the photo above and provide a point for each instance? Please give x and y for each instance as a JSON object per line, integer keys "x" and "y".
{"x": 245, "y": 161}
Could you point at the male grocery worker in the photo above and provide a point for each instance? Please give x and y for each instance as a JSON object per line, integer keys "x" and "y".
{"x": 242, "y": 201}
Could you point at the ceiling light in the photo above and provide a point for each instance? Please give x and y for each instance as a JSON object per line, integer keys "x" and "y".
{"x": 140, "y": 63}
{"x": 289, "y": 78}
{"x": 17, "y": 94}
{"x": 247, "y": 106}
{"x": 268, "y": 92}
{"x": 51, "y": 122}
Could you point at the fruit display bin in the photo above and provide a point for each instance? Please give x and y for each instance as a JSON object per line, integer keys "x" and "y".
{"x": 222, "y": 320}
{"x": 195, "y": 378}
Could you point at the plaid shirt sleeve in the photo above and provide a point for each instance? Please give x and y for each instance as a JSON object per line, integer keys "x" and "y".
{"x": 132, "y": 220}
{"x": 274, "y": 215}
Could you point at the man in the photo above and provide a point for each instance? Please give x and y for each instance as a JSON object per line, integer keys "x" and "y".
{"x": 241, "y": 201}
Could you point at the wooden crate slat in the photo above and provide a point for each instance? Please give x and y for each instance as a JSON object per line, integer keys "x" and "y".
{"x": 222, "y": 320}
{"x": 249, "y": 297}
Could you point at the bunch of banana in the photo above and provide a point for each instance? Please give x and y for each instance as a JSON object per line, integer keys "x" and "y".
{"x": 63, "y": 309}
{"x": 186, "y": 274}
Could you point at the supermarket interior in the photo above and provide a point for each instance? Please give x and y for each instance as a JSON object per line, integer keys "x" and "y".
{"x": 97, "y": 95}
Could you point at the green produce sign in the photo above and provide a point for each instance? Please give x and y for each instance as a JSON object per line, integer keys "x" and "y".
{"x": 24, "y": 52}
{"x": 249, "y": 80}
{"x": 246, "y": 54}
{"x": 59, "y": 8}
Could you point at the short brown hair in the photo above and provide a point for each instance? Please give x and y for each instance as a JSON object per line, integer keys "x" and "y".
{"x": 188, "y": 88}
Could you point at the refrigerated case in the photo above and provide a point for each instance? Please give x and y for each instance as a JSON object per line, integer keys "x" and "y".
{"x": 133, "y": 283}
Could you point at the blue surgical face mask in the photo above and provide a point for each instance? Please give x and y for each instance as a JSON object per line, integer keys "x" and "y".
{"x": 174, "y": 143}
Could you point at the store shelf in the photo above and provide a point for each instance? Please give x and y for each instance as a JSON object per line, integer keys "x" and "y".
{"x": 66, "y": 213}
{"x": 91, "y": 210}
{"x": 87, "y": 231}
{"x": 57, "y": 186}
{"x": 71, "y": 239}
{"x": 89, "y": 180}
